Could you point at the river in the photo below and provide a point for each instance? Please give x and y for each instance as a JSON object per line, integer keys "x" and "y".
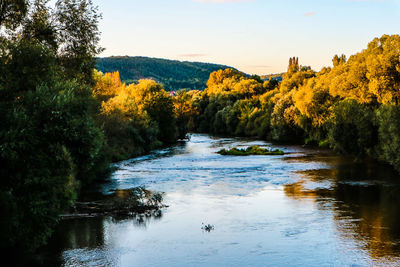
{"x": 309, "y": 207}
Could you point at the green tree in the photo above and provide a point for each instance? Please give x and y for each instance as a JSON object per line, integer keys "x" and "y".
{"x": 388, "y": 121}
{"x": 12, "y": 12}
{"x": 79, "y": 36}
{"x": 352, "y": 128}
{"x": 160, "y": 107}
{"x": 49, "y": 143}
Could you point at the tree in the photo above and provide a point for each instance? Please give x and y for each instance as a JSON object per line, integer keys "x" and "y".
{"x": 313, "y": 99}
{"x": 77, "y": 24}
{"x": 351, "y": 129}
{"x": 388, "y": 121}
{"x": 184, "y": 110}
{"x": 38, "y": 26}
{"x": 372, "y": 75}
{"x": 106, "y": 85}
{"x": 383, "y": 68}
{"x": 49, "y": 142}
{"x": 143, "y": 112}
{"x": 338, "y": 60}
{"x": 293, "y": 65}
{"x": 159, "y": 105}
{"x": 12, "y": 12}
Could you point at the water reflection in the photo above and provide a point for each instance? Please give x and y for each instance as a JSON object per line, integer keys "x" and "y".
{"x": 366, "y": 202}
{"x": 70, "y": 235}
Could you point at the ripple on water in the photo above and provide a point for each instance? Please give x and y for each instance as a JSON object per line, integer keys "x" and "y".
{"x": 306, "y": 208}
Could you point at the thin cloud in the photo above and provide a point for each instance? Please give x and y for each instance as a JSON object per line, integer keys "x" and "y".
{"x": 222, "y": 1}
{"x": 309, "y": 14}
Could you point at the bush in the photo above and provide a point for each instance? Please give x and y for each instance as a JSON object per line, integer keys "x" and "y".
{"x": 251, "y": 150}
{"x": 38, "y": 174}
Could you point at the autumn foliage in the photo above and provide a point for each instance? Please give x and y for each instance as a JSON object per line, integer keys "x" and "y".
{"x": 352, "y": 107}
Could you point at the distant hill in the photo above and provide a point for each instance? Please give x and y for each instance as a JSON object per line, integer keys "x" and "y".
{"x": 173, "y": 74}
{"x": 277, "y": 77}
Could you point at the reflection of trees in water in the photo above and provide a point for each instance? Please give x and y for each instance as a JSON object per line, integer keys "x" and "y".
{"x": 80, "y": 233}
{"x": 311, "y": 185}
{"x": 71, "y": 234}
{"x": 377, "y": 213}
{"x": 89, "y": 232}
{"x": 140, "y": 220}
{"x": 83, "y": 236}
{"x": 365, "y": 201}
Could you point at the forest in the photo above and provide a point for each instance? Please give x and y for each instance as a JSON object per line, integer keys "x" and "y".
{"x": 172, "y": 74}
{"x": 63, "y": 122}
{"x": 352, "y": 107}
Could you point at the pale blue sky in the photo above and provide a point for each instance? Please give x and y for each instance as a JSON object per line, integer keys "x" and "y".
{"x": 255, "y": 36}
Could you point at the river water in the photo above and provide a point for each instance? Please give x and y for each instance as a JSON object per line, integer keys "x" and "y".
{"x": 307, "y": 208}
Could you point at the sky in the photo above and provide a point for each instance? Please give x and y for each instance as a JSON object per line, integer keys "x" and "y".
{"x": 254, "y": 36}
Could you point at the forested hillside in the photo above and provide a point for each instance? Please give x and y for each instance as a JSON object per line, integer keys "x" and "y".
{"x": 277, "y": 77}
{"x": 173, "y": 74}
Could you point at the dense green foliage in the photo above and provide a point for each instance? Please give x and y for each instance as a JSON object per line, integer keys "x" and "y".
{"x": 352, "y": 107}
{"x": 62, "y": 122}
{"x": 173, "y": 74}
{"x": 251, "y": 150}
{"x": 12, "y": 12}
{"x": 50, "y": 144}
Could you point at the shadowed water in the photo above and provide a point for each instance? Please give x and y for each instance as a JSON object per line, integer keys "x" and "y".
{"x": 306, "y": 208}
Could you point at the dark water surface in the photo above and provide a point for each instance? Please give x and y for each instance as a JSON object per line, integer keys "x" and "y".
{"x": 306, "y": 208}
